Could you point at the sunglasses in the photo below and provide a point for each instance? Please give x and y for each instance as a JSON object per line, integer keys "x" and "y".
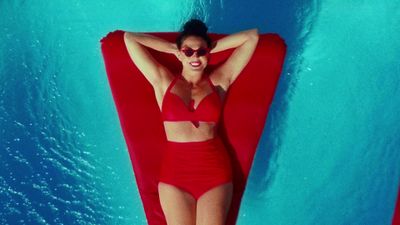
{"x": 200, "y": 52}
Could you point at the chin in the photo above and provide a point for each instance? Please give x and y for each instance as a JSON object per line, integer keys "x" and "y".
{"x": 197, "y": 69}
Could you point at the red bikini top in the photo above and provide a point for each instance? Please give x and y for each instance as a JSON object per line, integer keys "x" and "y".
{"x": 175, "y": 109}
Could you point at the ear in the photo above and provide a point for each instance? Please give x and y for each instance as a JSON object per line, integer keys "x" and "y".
{"x": 178, "y": 55}
{"x": 176, "y": 52}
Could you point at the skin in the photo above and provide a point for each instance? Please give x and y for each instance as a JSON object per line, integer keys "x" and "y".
{"x": 179, "y": 207}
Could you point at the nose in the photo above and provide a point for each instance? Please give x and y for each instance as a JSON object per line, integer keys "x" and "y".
{"x": 194, "y": 56}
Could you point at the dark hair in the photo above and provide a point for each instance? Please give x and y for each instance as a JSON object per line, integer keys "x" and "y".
{"x": 194, "y": 27}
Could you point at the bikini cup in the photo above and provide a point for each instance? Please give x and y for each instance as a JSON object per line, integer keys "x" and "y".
{"x": 175, "y": 109}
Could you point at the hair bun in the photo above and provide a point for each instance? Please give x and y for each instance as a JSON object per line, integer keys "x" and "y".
{"x": 195, "y": 26}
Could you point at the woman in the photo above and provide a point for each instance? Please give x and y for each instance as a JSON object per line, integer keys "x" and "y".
{"x": 195, "y": 185}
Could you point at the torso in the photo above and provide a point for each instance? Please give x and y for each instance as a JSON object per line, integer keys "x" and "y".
{"x": 184, "y": 131}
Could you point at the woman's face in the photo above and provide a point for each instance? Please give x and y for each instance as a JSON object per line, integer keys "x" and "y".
{"x": 195, "y": 62}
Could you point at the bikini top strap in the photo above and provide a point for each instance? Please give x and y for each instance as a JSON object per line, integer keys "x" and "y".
{"x": 172, "y": 83}
{"x": 211, "y": 84}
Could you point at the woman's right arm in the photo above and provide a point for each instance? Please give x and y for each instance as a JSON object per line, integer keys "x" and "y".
{"x": 145, "y": 62}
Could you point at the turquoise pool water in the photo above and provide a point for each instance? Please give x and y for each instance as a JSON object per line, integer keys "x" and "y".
{"x": 330, "y": 152}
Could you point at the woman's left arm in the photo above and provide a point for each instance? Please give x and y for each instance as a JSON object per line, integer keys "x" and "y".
{"x": 245, "y": 43}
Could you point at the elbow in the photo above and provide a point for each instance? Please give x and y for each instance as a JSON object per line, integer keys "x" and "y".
{"x": 128, "y": 35}
{"x": 253, "y": 34}
{"x": 132, "y": 36}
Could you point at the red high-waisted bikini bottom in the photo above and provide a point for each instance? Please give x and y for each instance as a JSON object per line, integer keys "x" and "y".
{"x": 196, "y": 167}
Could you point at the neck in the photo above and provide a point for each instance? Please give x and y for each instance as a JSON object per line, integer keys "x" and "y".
{"x": 191, "y": 77}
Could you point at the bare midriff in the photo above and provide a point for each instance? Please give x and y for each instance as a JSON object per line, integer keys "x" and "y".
{"x": 185, "y": 131}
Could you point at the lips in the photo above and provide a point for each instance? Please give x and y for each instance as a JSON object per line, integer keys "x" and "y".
{"x": 195, "y": 63}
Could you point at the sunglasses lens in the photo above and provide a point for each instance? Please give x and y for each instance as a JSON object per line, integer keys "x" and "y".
{"x": 201, "y": 52}
{"x": 188, "y": 52}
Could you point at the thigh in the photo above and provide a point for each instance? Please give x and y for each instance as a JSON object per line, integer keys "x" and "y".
{"x": 213, "y": 206}
{"x": 178, "y": 206}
